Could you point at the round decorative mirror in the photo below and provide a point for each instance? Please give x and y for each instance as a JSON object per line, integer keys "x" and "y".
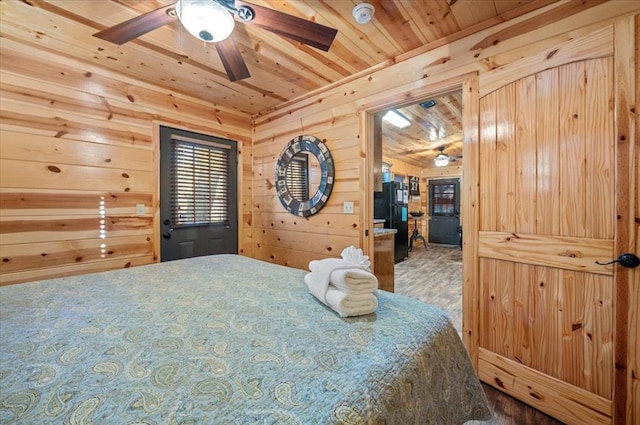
{"x": 304, "y": 175}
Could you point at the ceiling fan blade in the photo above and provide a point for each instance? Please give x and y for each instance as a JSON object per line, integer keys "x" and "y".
{"x": 232, "y": 59}
{"x": 140, "y": 25}
{"x": 298, "y": 29}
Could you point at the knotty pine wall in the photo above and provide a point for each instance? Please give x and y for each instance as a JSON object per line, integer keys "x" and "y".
{"x": 75, "y": 138}
{"x": 399, "y": 167}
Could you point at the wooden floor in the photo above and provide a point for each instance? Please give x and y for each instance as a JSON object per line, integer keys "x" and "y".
{"x": 434, "y": 275}
{"x": 509, "y": 411}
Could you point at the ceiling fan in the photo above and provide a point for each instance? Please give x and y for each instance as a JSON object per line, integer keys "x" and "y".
{"x": 442, "y": 159}
{"x": 213, "y": 21}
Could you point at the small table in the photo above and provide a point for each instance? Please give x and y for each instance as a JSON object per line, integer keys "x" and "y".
{"x": 416, "y": 233}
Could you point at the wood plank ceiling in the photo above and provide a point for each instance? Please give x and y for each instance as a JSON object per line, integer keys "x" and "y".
{"x": 281, "y": 69}
{"x": 435, "y": 128}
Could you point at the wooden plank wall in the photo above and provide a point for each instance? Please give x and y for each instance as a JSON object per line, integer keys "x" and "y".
{"x": 332, "y": 115}
{"x": 78, "y": 153}
{"x": 399, "y": 167}
{"x": 283, "y": 238}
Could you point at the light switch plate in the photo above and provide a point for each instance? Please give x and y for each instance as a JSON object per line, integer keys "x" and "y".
{"x": 141, "y": 209}
{"x": 347, "y": 207}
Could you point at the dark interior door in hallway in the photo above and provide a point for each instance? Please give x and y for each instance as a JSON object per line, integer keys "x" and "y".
{"x": 444, "y": 211}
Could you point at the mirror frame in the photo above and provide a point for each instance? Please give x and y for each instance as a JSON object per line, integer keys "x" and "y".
{"x": 315, "y": 146}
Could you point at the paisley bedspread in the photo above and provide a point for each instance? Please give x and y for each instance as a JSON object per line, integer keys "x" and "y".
{"x": 224, "y": 339}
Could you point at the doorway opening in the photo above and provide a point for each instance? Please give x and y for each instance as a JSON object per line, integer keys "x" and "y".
{"x": 422, "y": 155}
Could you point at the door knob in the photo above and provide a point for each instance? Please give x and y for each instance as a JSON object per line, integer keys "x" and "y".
{"x": 627, "y": 260}
{"x": 167, "y": 235}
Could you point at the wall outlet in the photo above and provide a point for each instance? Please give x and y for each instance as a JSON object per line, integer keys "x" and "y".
{"x": 141, "y": 209}
{"x": 347, "y": 207}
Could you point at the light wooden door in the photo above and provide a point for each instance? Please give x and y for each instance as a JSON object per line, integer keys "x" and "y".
{"x": 554, "y": 182}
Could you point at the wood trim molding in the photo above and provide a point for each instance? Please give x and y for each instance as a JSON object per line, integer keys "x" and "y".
{"x": 366, "y": 194}
{"x": 395, "y": 97}
{"x": 155, "y": 193}
{"x": 633, "y": 371}
{"x": 470, "y": 217}
{"x": 625, "y": 113}
{"x": 410, "y": 93}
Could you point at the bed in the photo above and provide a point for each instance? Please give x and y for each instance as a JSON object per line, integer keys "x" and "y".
{"x": 224, "y": 339}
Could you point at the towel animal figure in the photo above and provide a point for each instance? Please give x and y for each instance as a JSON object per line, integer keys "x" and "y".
{"x": 345, "y": 285}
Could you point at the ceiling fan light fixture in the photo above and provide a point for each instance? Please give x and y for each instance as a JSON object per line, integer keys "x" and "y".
{"x": 205, "y": 19}
{"x": 441, "y": 160}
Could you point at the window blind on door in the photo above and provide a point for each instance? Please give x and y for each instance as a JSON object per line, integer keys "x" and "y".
{"x": 199, "y": 183}
{"x": 443, "y": 199}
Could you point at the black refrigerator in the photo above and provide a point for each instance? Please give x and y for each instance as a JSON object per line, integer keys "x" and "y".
{"x": 391, "y": 205}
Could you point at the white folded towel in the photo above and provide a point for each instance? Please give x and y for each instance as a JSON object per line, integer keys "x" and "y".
{"x": 344, "y": 303}
{"x": 343, "y": 275}
{"x": 356, "y": 256}
{"x": 354, "y": 281}
{"x": 346, "y": 285}
{"x": 320, "y": 275}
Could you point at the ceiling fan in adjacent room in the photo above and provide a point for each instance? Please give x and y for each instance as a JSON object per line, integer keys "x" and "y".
{"x": 442, "y": 159}
{"x": 213, "y": 21}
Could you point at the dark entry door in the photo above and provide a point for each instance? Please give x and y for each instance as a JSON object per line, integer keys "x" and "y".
{"x": 198, "y": 195}
{"x": 444, "y": 211}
